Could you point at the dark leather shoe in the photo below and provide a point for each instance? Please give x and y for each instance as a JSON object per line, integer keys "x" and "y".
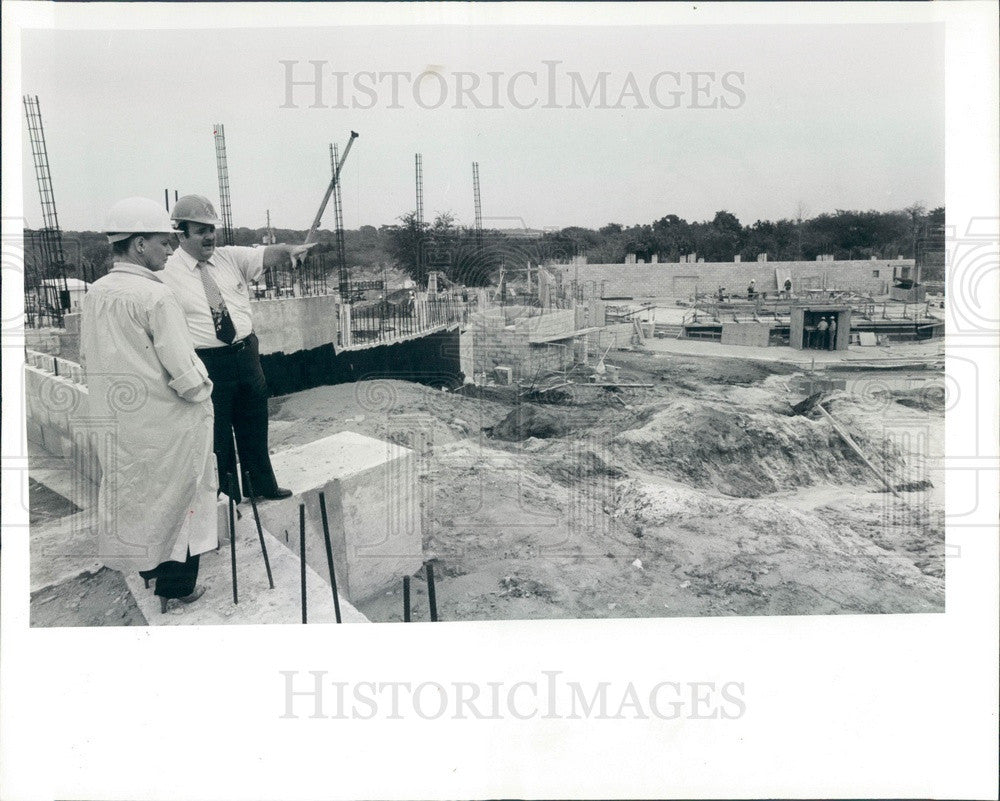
{"x": 199, "y": 590}
{"x": 279, "y": 493}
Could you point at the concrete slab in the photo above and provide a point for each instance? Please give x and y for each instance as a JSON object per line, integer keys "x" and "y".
{"x": 818, "y": 359}
{"x": 63, "y": 549}
{"x": 258, "y": 604}
{"x": 551, "y": 326}
{"x": 371, "y": 495}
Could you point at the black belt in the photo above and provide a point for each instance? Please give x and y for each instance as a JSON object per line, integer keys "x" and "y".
{"x": 233, "y": 347}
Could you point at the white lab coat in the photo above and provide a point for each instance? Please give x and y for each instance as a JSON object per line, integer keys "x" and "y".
{"x": 150, "y": 408}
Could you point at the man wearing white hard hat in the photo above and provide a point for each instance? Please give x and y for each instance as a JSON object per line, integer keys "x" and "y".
{"x": 157, "y": 501}
{"x": 213, "y": 287}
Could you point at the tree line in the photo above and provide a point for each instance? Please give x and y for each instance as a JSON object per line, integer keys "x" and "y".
{"x": 911, "y": 233}
{"x": 476, "y": 258}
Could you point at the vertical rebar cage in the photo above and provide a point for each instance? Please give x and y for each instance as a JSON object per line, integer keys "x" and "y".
{"x": 223, "y": 168}
{"x": 46, "y": 290}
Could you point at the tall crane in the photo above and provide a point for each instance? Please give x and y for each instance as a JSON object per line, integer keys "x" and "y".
{"x": 223, "y": 167}
{"x": 49, "y": 236}
{"x": 478, "y": 208}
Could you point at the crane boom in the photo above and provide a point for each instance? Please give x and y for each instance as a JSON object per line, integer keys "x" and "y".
{"x": 311, "y": 236}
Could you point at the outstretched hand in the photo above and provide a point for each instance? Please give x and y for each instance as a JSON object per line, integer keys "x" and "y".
{"x": 298, "y": 253}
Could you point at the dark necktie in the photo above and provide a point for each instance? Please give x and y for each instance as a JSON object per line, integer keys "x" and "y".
{"x": 225, "y": 331}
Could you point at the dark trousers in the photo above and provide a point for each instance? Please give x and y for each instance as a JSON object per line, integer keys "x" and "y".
{"x": 174, "y": 579}
{"x": 239, "y": 397}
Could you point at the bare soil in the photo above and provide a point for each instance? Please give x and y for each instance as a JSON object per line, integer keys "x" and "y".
{"x": 703, "y": 495}
{"x": 91, "y": 599}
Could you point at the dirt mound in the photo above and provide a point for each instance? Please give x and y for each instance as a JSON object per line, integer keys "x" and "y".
{"x": 739, "y": 372}
{"x": 931, "y": 398}
{"x": 698, "y": 373}
{"x": 529, "y": 421}
{"x": 570, "y": 468}
{"x": 748, "y": 452}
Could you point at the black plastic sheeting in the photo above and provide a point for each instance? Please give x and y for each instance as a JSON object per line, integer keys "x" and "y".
{"x": 431, "y": 360}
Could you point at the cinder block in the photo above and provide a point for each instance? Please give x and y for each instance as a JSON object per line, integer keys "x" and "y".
{"x": 372, "y": 507}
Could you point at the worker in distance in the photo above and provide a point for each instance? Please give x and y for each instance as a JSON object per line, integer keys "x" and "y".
{"x": 212, "y": 285}
{"x": 150, "y": 398}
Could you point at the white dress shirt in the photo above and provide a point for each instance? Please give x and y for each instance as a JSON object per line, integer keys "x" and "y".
{"x": 234, "y": 269}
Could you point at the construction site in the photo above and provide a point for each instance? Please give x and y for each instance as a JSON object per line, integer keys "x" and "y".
{"x": 531, "y": 437}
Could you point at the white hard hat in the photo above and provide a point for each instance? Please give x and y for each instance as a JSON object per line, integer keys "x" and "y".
{"x": 195, "y": 208}
{"x": 136, "y": 215}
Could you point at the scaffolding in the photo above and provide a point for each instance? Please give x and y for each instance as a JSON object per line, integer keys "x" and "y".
{"x": 419, "y": 160}
{"x": 419, "y": 164}
{"x": 344, "y": 282}
{"x": 40, "y": 307}
{"x": 223, "y": 167}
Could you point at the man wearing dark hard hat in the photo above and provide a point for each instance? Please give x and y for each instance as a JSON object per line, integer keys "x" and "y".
{"x": 213, "y": 287}
{"x": 157, "y": 502}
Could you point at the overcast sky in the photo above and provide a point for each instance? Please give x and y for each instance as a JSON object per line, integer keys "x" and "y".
{"x": 825, "y": 116}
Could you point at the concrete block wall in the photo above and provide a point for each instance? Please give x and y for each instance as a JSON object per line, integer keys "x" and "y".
{"x": 617, "y": 336}
{"x": 679, "y": 280}
{"x": 590, "y": 313}
{"x": 506, "y": 347}
{"x": 508, "y": 336}
{"x": 491, "y": 318}
{"x": 512, "y": 313}
{"x": 558, "y": 322}
{"x": 43, "y": 340}
{"x": 57, "y": 417}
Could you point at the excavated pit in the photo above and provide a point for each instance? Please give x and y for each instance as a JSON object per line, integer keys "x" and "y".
{"x": 704, "y": 494}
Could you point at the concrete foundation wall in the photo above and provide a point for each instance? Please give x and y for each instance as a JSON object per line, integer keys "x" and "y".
{"x": 679, "y": 280}
{"x": 917, "y": 294}
{"x": 434, "y": 360}
{"x": 748, "y": 334}
{"x": 288, "y": 325}
{"x": 615, "y": 337}
{"x": 559, "y": 323}
{"x": 371, "y": 494}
